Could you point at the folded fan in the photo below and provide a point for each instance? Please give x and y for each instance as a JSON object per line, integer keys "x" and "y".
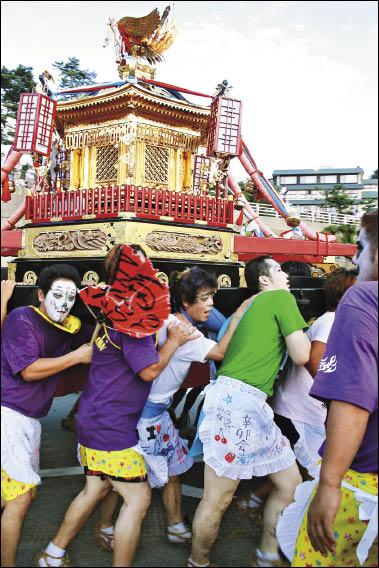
{"x": 137, "y": 302}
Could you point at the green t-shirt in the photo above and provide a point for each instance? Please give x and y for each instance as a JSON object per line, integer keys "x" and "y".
{"x": 258, "y": 346}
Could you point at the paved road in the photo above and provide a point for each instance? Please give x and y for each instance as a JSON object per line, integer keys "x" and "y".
{"x": 62, "y": 481}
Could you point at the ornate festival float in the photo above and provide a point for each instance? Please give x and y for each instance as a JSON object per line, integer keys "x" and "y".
{"x": 134, "y": 161}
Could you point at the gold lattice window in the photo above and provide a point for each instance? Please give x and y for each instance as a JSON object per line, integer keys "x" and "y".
{"x": 106, "y": 163}
{"x": 156, "y": 164}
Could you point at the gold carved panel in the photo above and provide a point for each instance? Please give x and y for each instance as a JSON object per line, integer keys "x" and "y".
{"x": 163, "y": 241}
{"x": 160, "y": 241}
{"x": 74, "y": 241}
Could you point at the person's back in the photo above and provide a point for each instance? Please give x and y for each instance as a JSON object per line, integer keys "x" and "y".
{"x": 258, "y": 345}
{"x": 341, "y": 518}
{"x": 240, "y": 439}
{"x": 357, "y": 383}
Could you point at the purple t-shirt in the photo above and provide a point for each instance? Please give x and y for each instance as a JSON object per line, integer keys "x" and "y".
{"x": 114, "y": 395}
{"x": 26, "y": 336}
{"x": 348, "y": 371}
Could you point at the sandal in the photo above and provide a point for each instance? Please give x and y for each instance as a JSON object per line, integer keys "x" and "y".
{"x": 45, "y": 556}
{"x": 104, "y": 540}
{"x": 280, "y": 563}
{"x": 192, "y": 565}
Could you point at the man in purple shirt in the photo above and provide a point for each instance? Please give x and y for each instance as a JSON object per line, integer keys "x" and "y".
{"x": 113, "y": 398}
{"x": 344, "y": 504}
{"x": 37, "y": 344}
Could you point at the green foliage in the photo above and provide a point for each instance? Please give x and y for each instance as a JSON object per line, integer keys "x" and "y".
{"x": 343, "y": 233}
{"x": 370, "y": 204}
{"x": 339, "y": 199}
{"x": 374, "y": 175}
{"x": 71, "y": 75}
{"x": 249, "y": 195}
{"x": 13, "y": 83}
{"x": 24, "y": 169}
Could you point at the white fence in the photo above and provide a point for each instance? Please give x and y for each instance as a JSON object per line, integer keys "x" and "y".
{"x": 327, "y": 217}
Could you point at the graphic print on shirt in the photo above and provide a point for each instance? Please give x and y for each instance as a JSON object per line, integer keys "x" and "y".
{"x": 328, "y": 364}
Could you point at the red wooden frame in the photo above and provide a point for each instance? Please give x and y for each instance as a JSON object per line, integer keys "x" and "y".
{"x": 35, "y": 123}
{"x": 281, "y": 250}
{"x": 144, "y": 202}
{"x": 224, "y": 137}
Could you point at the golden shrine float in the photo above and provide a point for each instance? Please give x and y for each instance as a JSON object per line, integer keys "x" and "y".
{"x": 135, "y": 161}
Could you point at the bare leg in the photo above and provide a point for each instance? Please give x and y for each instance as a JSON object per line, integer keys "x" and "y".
{"x": 172, "y": 500}
{"x": 285, "y": 483}
{"x": 129, "y": 521}
{"x": 107, "y": 509}
{"x": 81, "y": 509}
{"x": 263, "y": 490}
{"x": 12, "y": 521}
{"x": 218, "y": 493}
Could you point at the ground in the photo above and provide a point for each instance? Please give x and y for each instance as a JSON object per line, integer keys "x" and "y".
{"x": 62, "y": 480}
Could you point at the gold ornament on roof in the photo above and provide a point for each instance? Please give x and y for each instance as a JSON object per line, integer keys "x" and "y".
{"x": 142, "y": 38}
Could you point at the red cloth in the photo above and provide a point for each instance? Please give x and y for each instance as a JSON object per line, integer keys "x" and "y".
{"x": 198, "y": 375}
{"x": 5, "y": 194}
{"x": 72, "y": 380}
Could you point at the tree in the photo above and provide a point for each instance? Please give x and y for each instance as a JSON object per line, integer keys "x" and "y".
{"x": 343, "y": 233}
{"x": 370, "y": 204}
{"x": 374, "y": 175}
{"x": 339, "y": 199}
{"x": 13, "y": 83}
{"x": 248, "y": 190}
{"x": 71, "y": 75}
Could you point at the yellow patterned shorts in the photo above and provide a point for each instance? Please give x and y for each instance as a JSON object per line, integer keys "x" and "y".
{"x": 11, "y": 488}
{"x": 348, "y": 529}
{"x": 121, "y": 465}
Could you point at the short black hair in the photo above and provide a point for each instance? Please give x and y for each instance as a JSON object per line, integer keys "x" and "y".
{"x": 185, "y": 285}
{"x": 51, "y": 273}
{"x": 296, "y": 268}
{"x": 254, "y": 269}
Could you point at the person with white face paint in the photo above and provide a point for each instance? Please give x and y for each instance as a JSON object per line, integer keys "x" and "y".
{"x": 333, "y": 521}
{"x": 37, "y": 344}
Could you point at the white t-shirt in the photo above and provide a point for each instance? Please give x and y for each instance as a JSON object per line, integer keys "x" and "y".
{"x": 173, "y": 375}
{"x": 292, "y": 398}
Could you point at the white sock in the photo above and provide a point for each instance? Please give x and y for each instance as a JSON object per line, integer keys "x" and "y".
{"x": 255, "y": 502}
{"x": 192, "y": 563}
{"x": 56, "y": 552}
{"x": 108, "y": 530}
{"x": 264, "y": 558}
{"x": 179, "y": 525}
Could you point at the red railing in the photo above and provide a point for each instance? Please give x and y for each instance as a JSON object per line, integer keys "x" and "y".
{"x": 145, "y": 203}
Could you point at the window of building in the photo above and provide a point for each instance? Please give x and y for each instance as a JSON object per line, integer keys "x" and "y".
{"x": 349, "y": 178}
{"x": 156, "y": 164}
{"x": 288, "y": 180}
{"x": 106, "y": 163}
{"x": 328, "y": 179}
{"x": 308, "y": 179}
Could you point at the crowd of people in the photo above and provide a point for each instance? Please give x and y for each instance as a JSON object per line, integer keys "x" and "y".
{"x": 291, "y": 403}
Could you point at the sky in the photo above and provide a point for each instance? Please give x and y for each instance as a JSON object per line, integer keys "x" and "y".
{"x": 305, "y": 71}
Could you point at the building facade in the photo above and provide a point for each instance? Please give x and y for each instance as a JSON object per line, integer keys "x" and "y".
{"x": 308, "y": 188}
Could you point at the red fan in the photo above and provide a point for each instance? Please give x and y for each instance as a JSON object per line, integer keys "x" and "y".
{"x": 137, "y": 303}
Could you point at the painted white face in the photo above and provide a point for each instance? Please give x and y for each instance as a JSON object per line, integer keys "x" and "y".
{"x": 367, "y": 267}
{"x": 60, "y": 299}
